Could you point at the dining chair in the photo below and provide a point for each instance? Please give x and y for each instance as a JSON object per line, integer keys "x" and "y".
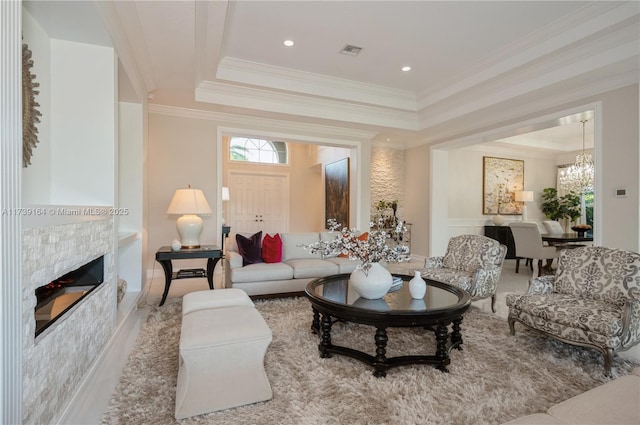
{"x": 553, "y": 226}
{"x": 528, "y": 242}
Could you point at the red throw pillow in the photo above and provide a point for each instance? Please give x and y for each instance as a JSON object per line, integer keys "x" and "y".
{"x": 272, "y": 248}
{"x": 250, "y": 248}
{"x": 362, "y": 237}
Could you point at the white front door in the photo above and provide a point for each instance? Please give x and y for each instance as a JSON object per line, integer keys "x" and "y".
{"x": 258, "y": 202}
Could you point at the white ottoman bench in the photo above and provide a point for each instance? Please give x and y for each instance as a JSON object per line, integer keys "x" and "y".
{"x": 221, "y": 360}
{"x": 227, "y": 297}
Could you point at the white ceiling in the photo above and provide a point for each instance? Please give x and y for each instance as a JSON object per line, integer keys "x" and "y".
{"x": 474, "y": 63}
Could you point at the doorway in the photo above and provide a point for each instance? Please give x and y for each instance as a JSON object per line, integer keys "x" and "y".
{"x": 260, "y": 201}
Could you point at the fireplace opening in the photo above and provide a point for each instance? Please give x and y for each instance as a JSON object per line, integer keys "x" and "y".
{"x": 58, "y": 297}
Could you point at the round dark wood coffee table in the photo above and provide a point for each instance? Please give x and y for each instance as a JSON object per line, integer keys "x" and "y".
{"x": 332, "y": 298}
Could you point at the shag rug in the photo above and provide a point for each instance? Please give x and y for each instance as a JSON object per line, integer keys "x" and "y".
{"x": 495, "y": 378}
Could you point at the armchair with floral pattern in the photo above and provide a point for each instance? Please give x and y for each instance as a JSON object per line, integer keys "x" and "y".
{"x": 593, "y": 300}
{"x": 472, "y": 263}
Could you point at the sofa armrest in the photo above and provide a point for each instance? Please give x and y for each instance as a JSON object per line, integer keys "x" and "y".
{"x": 485, "y": 280}
{"x": 234, "y": 259}
{"x": 433, "y": 263}
{"x": 541, "y": 285}
{"x": 631, "y": 323}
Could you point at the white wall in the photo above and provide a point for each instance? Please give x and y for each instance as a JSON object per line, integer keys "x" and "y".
{"x": 182, "y": 152}
{"x": 36, "y": 178}
{"x": 465, "y": 182}
{"x": 130, "y": 187}
{"x": 620, "y": 158}
{"x": 83, "y": 123}
{"x": 418, "y": 213}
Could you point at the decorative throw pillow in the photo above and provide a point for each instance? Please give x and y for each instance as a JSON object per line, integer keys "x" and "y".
{"x": 250, "y": 248}
{"x": 362, "y": 237}
{"x": 272, "y": 248}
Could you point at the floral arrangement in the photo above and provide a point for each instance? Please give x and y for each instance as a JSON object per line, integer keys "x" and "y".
{"x": 371, "y": 250}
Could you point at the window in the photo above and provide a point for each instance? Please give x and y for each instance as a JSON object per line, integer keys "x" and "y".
{"x": 245, "y": 149}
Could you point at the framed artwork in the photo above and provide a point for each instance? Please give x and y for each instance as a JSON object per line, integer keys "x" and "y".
{"x": 336, "y": 186}
{"x": 501, "y": 179}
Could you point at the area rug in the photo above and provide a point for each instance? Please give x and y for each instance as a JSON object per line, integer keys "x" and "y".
{"x": 495, "y": 378}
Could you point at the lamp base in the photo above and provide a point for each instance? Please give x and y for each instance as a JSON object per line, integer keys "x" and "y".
{"x": 524, "y": 213}
{"x": 189, "y": 228}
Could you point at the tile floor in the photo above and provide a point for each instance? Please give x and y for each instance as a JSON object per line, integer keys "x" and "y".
{"x": 98, "y": 392}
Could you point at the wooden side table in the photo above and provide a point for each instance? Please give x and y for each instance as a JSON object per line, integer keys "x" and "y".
{"x": 165, "y": 255}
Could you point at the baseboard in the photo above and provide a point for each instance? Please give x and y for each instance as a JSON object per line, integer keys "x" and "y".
{"x": 92, "y": 395}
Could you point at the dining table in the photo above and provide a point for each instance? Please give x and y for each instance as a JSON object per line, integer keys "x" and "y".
{"x": 564, "y": 238}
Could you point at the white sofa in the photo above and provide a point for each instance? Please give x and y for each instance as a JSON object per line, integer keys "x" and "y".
{"x": 615, "y": 402}
{"x": 297, "y": 268}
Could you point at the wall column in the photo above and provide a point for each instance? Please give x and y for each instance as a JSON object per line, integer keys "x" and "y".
{"x": 10, "y": 221}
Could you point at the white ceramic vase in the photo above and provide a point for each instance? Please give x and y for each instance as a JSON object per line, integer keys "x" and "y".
{"x": 417, "y": 286}
{"x": 498, "y": 220}
{"x": 373, "y": 285}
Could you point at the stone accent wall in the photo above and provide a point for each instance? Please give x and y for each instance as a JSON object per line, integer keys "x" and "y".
{"x": 387, "y": 177}
{"x": 55, "y": 363}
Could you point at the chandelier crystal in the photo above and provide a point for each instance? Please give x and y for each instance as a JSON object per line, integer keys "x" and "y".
{"x": 578, "y": 178}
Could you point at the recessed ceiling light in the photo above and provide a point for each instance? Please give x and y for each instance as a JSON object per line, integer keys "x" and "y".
{"x": 288, "y": 43}
{"x": 406, "y": 68}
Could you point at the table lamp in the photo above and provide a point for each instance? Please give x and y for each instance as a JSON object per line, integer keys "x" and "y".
{"x": 524, "y": 197}
{"x": 190, "y": 203}
{"x": 225, "y": 198}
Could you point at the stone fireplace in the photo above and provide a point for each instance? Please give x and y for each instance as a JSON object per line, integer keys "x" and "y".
{"x": 58, "y": 298}
{"x": 57, "y": 359}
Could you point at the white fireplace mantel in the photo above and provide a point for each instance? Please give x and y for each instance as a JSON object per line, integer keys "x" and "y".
{"x": 54, "y": 215}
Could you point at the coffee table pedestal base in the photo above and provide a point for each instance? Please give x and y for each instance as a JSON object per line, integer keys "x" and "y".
{"x": 380, "y": 362}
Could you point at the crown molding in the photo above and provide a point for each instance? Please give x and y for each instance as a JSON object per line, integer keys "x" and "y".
{"x": 210, "y": 23}
{"x": 294, "y": 104}
{"x": 136, "y": 62}
{"x": 282, "y": 126}
{"x": 274, "y": 77}
{"x": 573, "y": 31}
{"x": 534, "y": 79}
{"x": 122, "y": 48}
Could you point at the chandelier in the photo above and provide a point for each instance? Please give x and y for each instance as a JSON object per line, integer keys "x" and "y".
{"x": 578, "y": 178}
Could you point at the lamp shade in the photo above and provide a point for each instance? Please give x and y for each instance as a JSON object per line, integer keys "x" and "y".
{"x": 189, "y": 201}
{"x": 524, "y": 196}
{"x": 225, "y": 194}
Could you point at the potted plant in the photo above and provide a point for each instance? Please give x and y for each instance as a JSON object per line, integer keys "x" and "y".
{"x": 559, "y": 208}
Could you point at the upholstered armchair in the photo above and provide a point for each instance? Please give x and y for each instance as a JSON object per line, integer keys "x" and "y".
{"x": 471, "y": 262}
{"x": 593, "y": 300}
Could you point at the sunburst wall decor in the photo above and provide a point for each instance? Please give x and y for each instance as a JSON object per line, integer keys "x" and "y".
{"x": 30, "y": 113}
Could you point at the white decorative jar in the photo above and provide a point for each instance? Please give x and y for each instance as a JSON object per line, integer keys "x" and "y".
{"x": 417, "y": 286}
{"x": 176, "y": 245}
{"x": 372, "y": 285}
{"x": 498, "y": 220}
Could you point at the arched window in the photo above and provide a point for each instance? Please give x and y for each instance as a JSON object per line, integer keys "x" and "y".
{"x": 246, "y": 149}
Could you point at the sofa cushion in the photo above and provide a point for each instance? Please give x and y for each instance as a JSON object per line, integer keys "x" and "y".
{"x": 470, "y": 252}
{"x": 460, "y": 278}
{"x": 345, "y": 265}
{"x": 260, "y": 272}
{"x": 310, "y": 268}
{"x": 536, "y": 419}
{"x": 569, "y": 317}
{"x": 328, "y": 237}
{"x": 293, "y": 245}
{"x": 250, "y": 248}
{"x": 272, "y": 248}
{"x": 615, "y": 402}
{"x": 599, "y": 273}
